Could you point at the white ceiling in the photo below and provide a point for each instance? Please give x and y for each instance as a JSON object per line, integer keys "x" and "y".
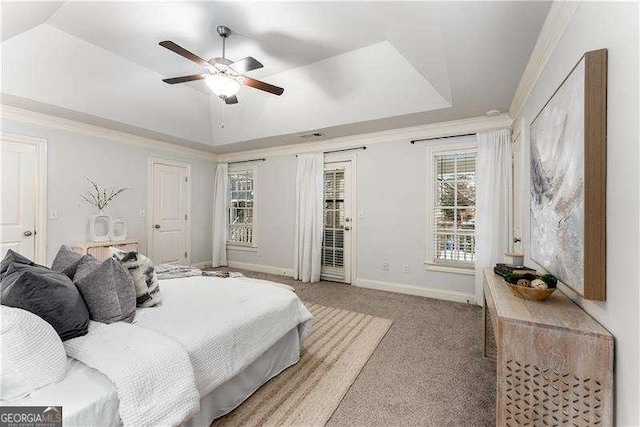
{"x": 346, "y": 67}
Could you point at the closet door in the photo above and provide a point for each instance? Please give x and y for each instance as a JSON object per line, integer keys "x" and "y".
{"x": 18, "y": 214}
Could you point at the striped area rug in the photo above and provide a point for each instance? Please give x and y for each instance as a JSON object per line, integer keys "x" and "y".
{"x": 308, "y": 393}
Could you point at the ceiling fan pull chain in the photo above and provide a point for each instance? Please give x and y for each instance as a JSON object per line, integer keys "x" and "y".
{"x": 222, "y": 112}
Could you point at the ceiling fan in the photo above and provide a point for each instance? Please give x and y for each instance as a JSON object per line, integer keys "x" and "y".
{"x": 224, "y": 77}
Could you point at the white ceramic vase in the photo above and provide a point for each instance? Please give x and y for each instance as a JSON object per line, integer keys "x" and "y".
{"x": 100, "y": 227}
{"x": 118, "y": 230}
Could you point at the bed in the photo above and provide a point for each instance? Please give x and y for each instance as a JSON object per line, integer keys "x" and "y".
{"x": 238, "y": 334}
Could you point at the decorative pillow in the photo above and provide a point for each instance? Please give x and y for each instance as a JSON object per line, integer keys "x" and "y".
{"x": 66, "y": 261}
{"x": 47, "y": 294}
{"x": 144, "y": 276}
{"x": 32, "y": 354}
{"x": 107, "y": 289}
{"x": 12, "y": 257}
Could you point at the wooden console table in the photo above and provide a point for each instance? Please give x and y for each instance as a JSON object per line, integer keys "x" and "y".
{"x": 100, "y": 250}
{"x": 554, "y": 361}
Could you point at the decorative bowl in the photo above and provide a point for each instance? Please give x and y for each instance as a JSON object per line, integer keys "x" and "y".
{"x": 531, "y": 294}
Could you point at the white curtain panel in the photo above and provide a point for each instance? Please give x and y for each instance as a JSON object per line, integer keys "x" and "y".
{"x": 220, "y": 215}
{"x": 309, "y": 224}
{"x": 493, "y": 187}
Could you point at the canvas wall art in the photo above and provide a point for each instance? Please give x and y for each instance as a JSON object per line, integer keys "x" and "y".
{"x": 568, "y": 179}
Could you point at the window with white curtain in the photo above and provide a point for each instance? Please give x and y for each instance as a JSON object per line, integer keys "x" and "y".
{"x": 241, "y": 207}
{"x": 451, "y": 204}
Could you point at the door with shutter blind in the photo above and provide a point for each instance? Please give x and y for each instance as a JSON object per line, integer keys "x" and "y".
{"x": 338, "y": 223}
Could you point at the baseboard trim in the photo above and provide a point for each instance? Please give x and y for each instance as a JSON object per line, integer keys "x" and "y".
{"x": 442, "y": 294}
{"x": 262, "y": 268}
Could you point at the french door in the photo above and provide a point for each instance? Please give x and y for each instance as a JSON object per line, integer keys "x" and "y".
{"x": 338, "y": 223}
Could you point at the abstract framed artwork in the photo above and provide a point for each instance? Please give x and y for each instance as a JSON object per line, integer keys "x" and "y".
{"x": 568, "y": 179}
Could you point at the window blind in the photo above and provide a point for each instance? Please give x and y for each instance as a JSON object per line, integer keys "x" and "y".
{"x": 454, "y": 207}
{"x": 241, "y": 205}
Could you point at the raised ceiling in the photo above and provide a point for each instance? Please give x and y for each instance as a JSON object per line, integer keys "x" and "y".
{"x": 347, "y": 67}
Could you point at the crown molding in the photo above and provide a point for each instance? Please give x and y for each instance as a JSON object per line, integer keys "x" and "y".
{"x": 436, "y": 130}
{"x": 555, "y": 24}
{"x": 45, "y": 120}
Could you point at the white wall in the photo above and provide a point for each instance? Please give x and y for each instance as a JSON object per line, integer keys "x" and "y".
{"x": 71, "y": 157}
{"x": 615, "y": 27}
{"x": 391, "y": 192}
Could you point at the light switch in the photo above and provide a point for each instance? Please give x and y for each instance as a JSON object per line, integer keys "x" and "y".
{"x": 361, "y": 215}
{"x": 142, "y": 213}
{"x": 53, "y": 214}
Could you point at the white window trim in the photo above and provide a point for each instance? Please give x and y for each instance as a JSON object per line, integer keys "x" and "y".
{"x": 438, "y": 148}
{"x": 247, "y": 247}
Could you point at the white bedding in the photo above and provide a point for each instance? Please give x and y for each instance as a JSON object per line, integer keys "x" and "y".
{"x": 152, "y": 373}
{"x": 224, "y": 324}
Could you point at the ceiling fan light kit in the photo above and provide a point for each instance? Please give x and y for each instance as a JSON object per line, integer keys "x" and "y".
{"x": 222, "y": 76}
{"x": 223, "y": 86}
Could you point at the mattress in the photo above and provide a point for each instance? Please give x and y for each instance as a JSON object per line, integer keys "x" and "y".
{"x": 196, "y": 309}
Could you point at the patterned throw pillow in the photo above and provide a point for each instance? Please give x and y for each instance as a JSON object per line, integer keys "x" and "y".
{"x": 144, "y": 277}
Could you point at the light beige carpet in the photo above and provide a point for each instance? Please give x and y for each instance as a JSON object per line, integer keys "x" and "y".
{"x": 309, "y": 392}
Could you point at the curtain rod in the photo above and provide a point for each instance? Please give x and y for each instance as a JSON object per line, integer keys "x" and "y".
{"x": 442, "y": 137}
{"x": 245, "y": 161}
{"x": 364, "y": 147}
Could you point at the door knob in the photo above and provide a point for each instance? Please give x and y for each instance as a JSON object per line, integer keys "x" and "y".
{"x": 347, "y": 219}
{"x": 347, "y": 228}
{"x": 157, "y": 226}
{"x": 516, "y": 240}
{"x": 27, "y": 233}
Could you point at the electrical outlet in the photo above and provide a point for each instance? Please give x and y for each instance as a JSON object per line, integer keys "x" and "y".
{"x": 385, "y": 266}
{"x": 406, "y": 268}
{"x": 53, "y": 214}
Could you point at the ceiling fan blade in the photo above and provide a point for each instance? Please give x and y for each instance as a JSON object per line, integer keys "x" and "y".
{"x": 246, "y": 64}
{"x": 183, "y": 52}
{"x": 184, "y": 79}
{"x": 231, "y": 100}
{"x": 257, "y": 84}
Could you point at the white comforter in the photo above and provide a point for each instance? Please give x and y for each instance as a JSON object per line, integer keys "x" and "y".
{"x": 152, "y": 373}
{"x": 207, "y": 331}
{"x": 223, "y": 324}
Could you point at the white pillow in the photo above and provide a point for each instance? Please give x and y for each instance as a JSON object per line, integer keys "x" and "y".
{"x": 32, "y": 353}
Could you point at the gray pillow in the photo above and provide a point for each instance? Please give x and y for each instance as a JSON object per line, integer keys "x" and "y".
{"x": 66, "y": 261}
{"x": 13, "y": 257}
{"x": 47, "y": 294}
{"x": 107, "y": 288}
{"x": 144, "y": 277}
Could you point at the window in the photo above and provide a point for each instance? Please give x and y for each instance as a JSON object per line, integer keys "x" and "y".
{"x": 452, "y": 200}
{"x": 241, "y": 207}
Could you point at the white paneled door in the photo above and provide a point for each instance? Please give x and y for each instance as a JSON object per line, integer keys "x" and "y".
{"x": 170, "y": 213}
{"x": 338, "y": 222}
{"x": 18, "y": 221}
